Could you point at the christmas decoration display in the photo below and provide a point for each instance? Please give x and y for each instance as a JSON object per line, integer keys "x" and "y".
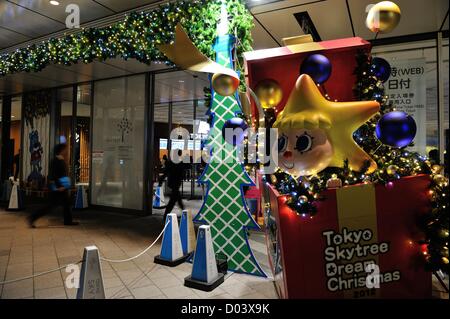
{"x": 356, "y": 227}
{"x": 269, "y": 93}
{"x": 136, "y": 37}
{"x": 317, "y": 133}
{"x": 233, "y": 126}
{"x": 392, "y": 163}
{"x": 383, "y": 17}
{"x": 224, "y": 208}
{"x": 381, "y": 69}
{"x": 296, "y": 207}
{"x": 318, "y": 67}
{"x": 396, "y": 129}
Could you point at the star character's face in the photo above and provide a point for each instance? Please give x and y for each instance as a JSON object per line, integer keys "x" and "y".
{"x": 304, "y": 152}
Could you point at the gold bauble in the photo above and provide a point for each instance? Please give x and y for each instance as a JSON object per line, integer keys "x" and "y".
{"x": 445, "y": 260}
{"x": 224, "y": 84}
{"x": 391, "y": 169}
{"x": 436, "y": 169}
{"x": 439, "y": 179}
{"x": 383, "y": 17}
{"x": 273, "y": 179}
{"x": 269, "y": 93}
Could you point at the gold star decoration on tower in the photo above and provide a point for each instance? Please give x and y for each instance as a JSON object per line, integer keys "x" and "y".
{"x": 186, "y": 55}
{"x": 307, "y": 108}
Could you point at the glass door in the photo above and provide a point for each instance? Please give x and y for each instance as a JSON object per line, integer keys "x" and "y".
{"x": 118, "y": 143}
{"x": 180, "y": 125}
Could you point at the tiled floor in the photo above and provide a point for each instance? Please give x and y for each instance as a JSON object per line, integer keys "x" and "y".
{"x": 25, "y": 251}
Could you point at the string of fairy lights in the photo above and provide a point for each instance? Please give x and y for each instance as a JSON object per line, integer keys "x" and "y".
{"x": 135, "y": 37}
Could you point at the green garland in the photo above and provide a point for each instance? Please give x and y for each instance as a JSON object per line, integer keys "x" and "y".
{"x": 393, "y": 164}
{"x": 136, "y": 37}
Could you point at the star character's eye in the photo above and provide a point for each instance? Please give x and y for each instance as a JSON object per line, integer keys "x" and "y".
{"x": 304, "y": 143}
{"x": 282, "y": 143}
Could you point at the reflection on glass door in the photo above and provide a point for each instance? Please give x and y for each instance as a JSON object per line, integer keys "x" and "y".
{"x": 201, "y": 131}
{"x": 181, "y": 132}
{"x": 161, "y": 122}
{"x": 13, "y": 149}
{"x": 118, "y": 143}
{"x": 65, "y": 105}
{"x": 82, "y": 135}
{"x": 180, "y": 110}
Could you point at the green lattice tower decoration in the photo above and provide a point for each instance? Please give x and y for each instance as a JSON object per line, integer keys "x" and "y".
{"x": 224, "y": 207}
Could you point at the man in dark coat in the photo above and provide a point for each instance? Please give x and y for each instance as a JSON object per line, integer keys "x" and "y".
{"x": 59, "y": 185}
{"x": 174, "y": 173}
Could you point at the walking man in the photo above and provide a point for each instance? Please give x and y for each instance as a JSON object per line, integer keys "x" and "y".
{"x": 174, "y": 173}
{"x": 59, "y": 184}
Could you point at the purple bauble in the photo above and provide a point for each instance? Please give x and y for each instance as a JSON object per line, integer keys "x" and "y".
{"x": 236, "y": 137}
{"x": 381, "y": 69}
{"x": 318, "y": 67}
{"x": 396, "y": 129}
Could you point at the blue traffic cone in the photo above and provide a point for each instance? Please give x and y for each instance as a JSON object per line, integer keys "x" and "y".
{"x": 159, "y": 201}
{"x": 81, "y": 198}
{"x": 171, "y": 250}
{"x": 205, "y": 275}
{"x": 187, "y": 232}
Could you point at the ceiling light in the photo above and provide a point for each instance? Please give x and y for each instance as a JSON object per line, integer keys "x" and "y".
{"x": 54, "y": 3}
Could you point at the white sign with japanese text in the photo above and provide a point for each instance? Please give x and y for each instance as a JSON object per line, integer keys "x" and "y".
{"x": 407, "y": 89}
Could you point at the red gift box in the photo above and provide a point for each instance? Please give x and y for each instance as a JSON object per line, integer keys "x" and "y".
{"x": 283, "y": 64}
{"x": 325, "y": 256}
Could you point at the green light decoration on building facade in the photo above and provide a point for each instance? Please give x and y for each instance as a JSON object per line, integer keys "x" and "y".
{"x": 135, "y": 37}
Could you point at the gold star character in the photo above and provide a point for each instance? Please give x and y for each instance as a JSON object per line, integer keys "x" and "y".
{"x": 307, "y": 110}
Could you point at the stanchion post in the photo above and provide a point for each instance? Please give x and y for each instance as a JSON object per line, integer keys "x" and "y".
{"x": 171, "y": 249}
{"x": 91, "y": 277}
{"x": 205, "y": 275}
{"x": 159, "y": 200}
{"x": 81, "y": 198}
{"x": 187, "y": 232}
{"x": 15, "y": 199}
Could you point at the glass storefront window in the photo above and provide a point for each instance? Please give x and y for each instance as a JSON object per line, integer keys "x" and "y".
{"x": 161, "y": 142}
{"x": 445, "y": 72}
{"x": 15, "y": 135}
{"x": 1, "y": 129}
{"x": 65, "y": 105}
{"x": 82, "y": 149}
{"x": 118, "y": 143}
{"x": 201, "y": 131}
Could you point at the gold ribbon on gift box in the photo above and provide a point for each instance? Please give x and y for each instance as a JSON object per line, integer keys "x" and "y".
{"x": 186, "y": 55}
{"x": 356, "y": 207}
